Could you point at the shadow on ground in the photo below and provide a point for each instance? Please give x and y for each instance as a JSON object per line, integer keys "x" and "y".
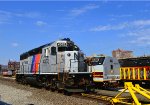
{"x": 3, "y": 103}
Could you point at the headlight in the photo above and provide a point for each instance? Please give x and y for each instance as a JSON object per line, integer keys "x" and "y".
{"x": 69, "y": 54}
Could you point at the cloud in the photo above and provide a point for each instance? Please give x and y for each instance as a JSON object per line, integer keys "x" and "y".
{"x": 115, "y": 17}
{"x": 7, "y": 16}
{"x": 102, "y": 28}
{"x": 134, "y": 32}
{"x": 110, "y": 27}
{"x": 2, "y": 12}
{"x": 40, "y": 23}
{"x": 80, "y": 11}
{"x": 141, "y": 23}
{"x": 4, "y": 17}
{"x": 121, "y": 16}
{"x": 28, "y": 14}
{"x": 125, "y": 25}
{"x": 139, "y": 37}
{"x": 14, "y": 44}
{"x": 141, "y": 41}
{"x": 23, "y": 14}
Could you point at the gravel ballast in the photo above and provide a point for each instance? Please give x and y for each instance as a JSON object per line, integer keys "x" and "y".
{"x": 18, "y": 94}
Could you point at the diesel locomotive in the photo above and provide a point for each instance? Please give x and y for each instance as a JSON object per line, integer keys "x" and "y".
{"x": 57, "y": 65}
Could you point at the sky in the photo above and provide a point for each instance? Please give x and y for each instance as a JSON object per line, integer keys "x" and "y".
{"x": 97, "y": 27}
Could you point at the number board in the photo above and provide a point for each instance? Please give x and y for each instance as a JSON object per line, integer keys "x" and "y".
{"x": 64, "y": 44}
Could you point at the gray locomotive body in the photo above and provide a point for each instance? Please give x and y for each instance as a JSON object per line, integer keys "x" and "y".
{"x": 54, "y": 65}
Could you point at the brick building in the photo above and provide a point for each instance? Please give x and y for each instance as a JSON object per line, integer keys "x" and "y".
{"x": 13, "y": 65}
{"x": 120, "y": 54}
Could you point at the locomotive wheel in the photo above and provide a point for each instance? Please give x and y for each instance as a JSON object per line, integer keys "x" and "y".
{"x": 60, "y": 87}
{"x": 53, "y": 85}
{"x": 53, "y": 89}
{"x": 60, "y": 90}
{"x": 23, "y": 81}
{"x": 83, "y": 81}
{"x": 69, "y": 82}
{"x": 18, "y": 81}
{"x": 67, "y": 93}
{"x": 47, "y": 85}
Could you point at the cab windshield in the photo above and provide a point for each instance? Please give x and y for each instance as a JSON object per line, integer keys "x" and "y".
{"x": 70, "y": 48}
{"x": 97, "y": 60}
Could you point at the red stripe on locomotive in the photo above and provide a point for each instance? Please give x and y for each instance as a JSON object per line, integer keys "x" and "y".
{"x": 98, "y": 74}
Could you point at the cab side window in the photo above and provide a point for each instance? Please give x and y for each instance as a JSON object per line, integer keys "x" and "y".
{"x": 46, "y": 52}
{"x": 111, "y": 67}
{"x": 53, "y": 50}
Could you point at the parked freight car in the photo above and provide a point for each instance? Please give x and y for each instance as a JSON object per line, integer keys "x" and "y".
{"x": 57, "y": 65}
{"x": 136, "y": 70}
{"x": 105, "y": 70}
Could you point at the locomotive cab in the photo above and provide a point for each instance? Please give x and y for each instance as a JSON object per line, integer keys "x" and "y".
{"x": 71, "y": 56}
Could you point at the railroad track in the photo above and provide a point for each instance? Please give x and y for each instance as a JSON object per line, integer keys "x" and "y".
{"x": 97, "y": 96}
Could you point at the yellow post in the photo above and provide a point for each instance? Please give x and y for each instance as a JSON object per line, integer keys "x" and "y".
{"x": 138, "y": 73}
{"x": 121, "y": 73}
{"x": 145, "y": 75}
{"x": 128, "y": 73}
{"x": 124, "y": 73}
{"x": 133, "y": 69}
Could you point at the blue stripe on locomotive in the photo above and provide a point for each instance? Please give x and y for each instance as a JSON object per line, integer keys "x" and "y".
{"x": 32, "y": 65}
